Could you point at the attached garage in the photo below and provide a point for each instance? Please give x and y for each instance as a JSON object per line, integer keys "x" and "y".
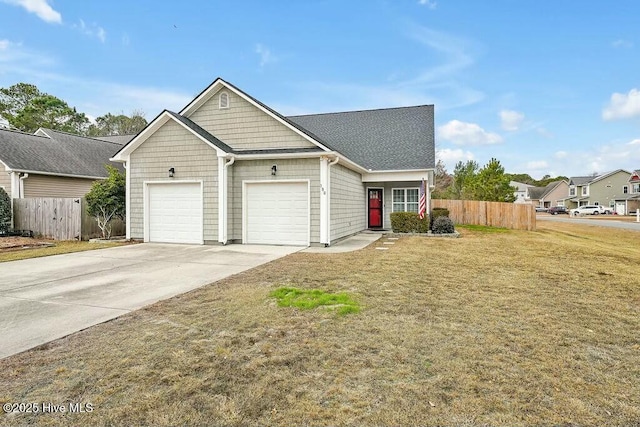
{"x": 276, "y": 212}
{"x": 174, "y": 212}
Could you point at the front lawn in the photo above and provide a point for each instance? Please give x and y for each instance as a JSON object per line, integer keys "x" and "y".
{"x": 34, "y": 248}
{"x": 505, "y": 329}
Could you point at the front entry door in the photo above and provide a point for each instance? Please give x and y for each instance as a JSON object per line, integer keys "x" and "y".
{"x": 375, "y": 208}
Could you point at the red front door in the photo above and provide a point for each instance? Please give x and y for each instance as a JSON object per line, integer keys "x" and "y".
{"x": 375, "y": 208}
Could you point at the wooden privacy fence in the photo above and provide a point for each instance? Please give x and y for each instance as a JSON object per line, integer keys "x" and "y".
{"x": 518, "y": 216}
{"x": 59, "y": 219}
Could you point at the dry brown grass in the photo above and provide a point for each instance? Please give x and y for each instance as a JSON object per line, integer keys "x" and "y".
{"x": 506, "y": 329}
{"x": 47, "y": 248}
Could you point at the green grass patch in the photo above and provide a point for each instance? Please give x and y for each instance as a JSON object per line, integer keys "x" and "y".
{"x": 307, "y": 299}
{"x": 483, "y": 228}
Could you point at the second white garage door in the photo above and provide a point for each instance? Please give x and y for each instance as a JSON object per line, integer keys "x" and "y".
{"x": 175, "y": 213}
{"x": 277, "y": 213}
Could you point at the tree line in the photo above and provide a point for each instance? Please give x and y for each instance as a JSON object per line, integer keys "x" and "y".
{"x": 490, "y": 183}
{"x": 24, "y": 107}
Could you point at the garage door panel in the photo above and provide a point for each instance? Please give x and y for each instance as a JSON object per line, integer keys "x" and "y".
{"x": 277, "y": 213}
{"x": 175, "y": 213}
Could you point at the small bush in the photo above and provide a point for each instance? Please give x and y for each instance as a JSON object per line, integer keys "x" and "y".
{"x": 5, "y": 212}
{"x": 409, "y": 222}
{"x": 438, "y": 212}
{"x": 443, "y": 225}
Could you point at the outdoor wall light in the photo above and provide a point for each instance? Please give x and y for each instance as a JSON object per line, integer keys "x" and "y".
{"x": 172, "y": 171}
{"x": 274, "y": 169}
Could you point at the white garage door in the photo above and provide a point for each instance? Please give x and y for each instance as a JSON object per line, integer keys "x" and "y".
{"x": 277, "y": 213}
{"x": 175, "y": 213}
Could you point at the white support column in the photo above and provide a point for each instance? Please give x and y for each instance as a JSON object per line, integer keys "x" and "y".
{"x": 127, "y": 197}
{"x": 324, "y": 200}
{"x": 222, "y": 201}
{"x": 15, "y": 185}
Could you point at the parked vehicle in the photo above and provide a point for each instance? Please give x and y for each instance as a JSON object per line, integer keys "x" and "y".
{"x": 555, "y": 210}
{"x": 590, "y": 210}
{"x": 541, "y": 209}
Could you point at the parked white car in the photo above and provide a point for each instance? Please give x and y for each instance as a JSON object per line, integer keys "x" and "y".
{"x": 590, "y": 210}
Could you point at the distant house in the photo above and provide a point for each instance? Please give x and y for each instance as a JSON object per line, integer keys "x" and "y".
{"x": 553, "y": 194}
{"x": 602, "y": 190}
{"x": 521, "y": 192}
{"x": 629, "y": 201}
{"x": 50, "y": 163}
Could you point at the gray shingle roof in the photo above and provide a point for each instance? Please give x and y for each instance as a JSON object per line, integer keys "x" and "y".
{"x": 580, "y": 180}
{"x": 118, "y": 139}
{"x": 384, "y": 139}
{"x": 62, "y": 153}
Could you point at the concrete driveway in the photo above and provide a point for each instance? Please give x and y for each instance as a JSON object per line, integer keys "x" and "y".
{"x": 42, "y": 299}
{"x": 612, "y": 223}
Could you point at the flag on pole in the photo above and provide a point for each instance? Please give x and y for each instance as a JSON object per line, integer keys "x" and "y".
{"x": 422, "y": 201}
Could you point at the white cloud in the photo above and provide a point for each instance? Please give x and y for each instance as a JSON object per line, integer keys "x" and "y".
{"x": 634, "y": 142}
{"x": 452, "y": 156}
{"x": 92, "y": 30}
{"x": 623, "y": 106}
{"x": 429, "y": 3}
{"x": 40, "y": 7}
{"x": 561, "y": 155}
{"x": 511, "y": 120}
{"x": 266, "y": 57}
{"x": 462, "y": 133}
{"x": 537, "y": 165}
{"x": 622, "y": 44}
{"x": 4, "y": 44}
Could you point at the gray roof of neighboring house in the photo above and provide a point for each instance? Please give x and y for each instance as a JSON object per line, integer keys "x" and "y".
{"x": 384, "y": 139}
{"x": 118, "y": 139}
{"x": 581, "y": 180}
{"x": 62, "y": 153}
{"x": 539, "y": 192}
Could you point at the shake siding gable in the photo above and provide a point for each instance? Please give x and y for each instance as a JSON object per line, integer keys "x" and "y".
{"x": 243, "y": 126}
{"x": 172, "y": 146}
{"x": 5, "y": 181}
{"x": 55, "y": 186}
{"x": 348, "y": 202}
{"x": 260, "y": 170}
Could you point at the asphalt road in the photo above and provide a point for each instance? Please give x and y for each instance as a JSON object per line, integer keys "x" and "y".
{"x": 612, "y": 223}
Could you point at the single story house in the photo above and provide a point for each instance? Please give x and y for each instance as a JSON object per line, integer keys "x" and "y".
{"x": 229, "y": 169}
{"x": 50, "y": 163}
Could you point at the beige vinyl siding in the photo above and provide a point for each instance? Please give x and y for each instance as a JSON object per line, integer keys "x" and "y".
{"x": 243, "y": 126}
{"x": 260, "y": 170}
{"x": 348, "y": 202}
{"x": 173, "y": 146}
{"x": 5, "y": 182}
{"x": 55, "y": 186}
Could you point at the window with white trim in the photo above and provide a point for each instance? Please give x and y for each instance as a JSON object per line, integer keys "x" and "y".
{"x": 572, "y": 190}
{"x": 405, "y": 199}
{"x": 625, "y": 189}
{"x": 585, "y": 190}
{"x": 635, "y": 188}
{"x": 223, "y": 100}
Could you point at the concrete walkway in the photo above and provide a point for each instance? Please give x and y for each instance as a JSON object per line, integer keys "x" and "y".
{"x": 42, "y": 299}
{"x": 353, "y": 243}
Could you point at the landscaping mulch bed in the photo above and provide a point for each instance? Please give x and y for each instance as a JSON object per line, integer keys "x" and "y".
{"x": 19, "y": 243}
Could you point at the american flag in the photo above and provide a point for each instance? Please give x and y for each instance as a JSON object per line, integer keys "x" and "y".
{"x": 422, "y": 202}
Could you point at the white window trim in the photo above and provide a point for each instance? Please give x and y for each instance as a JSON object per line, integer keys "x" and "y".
{"x": 625, "y": 189}
{"x": 226, "y": 95}
{"x": 393, "y": 202}
{"x": 572, "y": 191}
{"x": 585, "y": 190}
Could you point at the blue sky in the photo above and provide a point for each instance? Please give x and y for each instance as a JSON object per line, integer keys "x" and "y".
{"x": 546, "y": 87}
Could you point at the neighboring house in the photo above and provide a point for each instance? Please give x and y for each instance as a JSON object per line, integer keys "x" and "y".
{"x": 629, "y": 201}
{"x": 553, "y": 194}
{"x": 603, "y": 189}
{"x": 51, "y": 163}
{"x": 118, "y": 139}
{"x": 229, "y": 169}
{"x": 521, "y": 192}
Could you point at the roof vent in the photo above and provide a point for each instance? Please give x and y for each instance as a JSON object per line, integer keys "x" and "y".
{"x": 223, "y": 100}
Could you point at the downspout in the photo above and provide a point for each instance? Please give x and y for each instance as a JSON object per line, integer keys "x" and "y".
{"x": 225, "y": 204}
{"x": 329, "y": 164}
{"x": 21, "y": 187}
